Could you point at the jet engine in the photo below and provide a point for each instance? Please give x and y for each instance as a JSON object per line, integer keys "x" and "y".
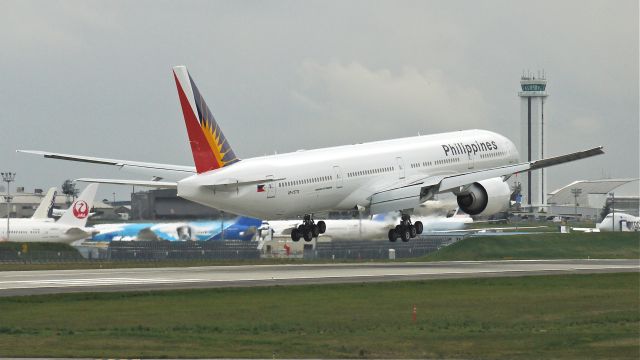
{"x": 485, "y": 197}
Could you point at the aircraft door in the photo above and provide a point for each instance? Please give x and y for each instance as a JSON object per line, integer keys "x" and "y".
{"x": 400, "y": 168}
{"x": 337, "y": 177}
{"x": 471, "y": 161}
{"x": 271, "y": 188}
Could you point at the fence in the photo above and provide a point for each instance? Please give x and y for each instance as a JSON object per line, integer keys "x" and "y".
{"x": 227, "y": 250}
{"x": 165, "y": 250}
{"x": 363, "y": 249}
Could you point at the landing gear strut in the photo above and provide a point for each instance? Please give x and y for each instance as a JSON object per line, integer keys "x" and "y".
{"x": 406, "y": 230}
{"x": 308, "y": 229}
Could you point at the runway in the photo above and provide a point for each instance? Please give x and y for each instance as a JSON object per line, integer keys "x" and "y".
{"x": 64, "y": 281}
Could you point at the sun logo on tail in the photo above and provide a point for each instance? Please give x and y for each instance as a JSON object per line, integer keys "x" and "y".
{"x": 218, "y": 143}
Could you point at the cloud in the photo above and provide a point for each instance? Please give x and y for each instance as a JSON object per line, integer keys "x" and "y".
{"x": 402, "y": 102}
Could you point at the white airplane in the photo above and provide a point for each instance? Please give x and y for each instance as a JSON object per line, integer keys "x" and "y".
{"x": 39, "y": 228}
{"x": 375, "y": 228}
{"x": 346, "y": 229}
{"x": 380, "y": 176}
{"x": 623, "y": 222}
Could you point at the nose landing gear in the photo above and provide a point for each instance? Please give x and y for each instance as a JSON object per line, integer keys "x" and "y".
{"x": 406, "y": 230}
{"x": 308, "y": 229}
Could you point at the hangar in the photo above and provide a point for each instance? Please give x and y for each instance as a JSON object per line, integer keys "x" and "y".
{"x": 588, "y": 198}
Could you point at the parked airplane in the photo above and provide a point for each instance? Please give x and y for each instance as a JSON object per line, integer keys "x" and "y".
{"x": 45, "y": 208}
{"x": 345, "y": 229}
{"x": 70, "y": 227}
{"x": 375, "y": 228}
{"x": 380, "y": 176}
{"x": 623, "y": 222}
{"x": 240, "y": 228}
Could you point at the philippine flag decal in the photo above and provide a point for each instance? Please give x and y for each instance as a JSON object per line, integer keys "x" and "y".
{"x": 261, "y": 188}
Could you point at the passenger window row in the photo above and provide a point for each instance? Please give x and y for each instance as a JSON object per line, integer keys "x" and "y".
{"x": 493, "y": 154}
{"x": 447, "y": 161}
{"x": 437, "y": 162}
{"x": 371, "y": 171}
{"x": 312, "y": 180}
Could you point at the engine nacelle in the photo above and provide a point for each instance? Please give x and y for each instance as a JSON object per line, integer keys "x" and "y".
{"x": 486, "y": 197}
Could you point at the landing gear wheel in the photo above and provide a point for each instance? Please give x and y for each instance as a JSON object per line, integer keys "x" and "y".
{"x": 406, "y": 230}
{"x": 405, "y": 234}
{"x": 413, "y": 231}
{"x": 419, "y": 227}
{"x": 393, "y": 235}
{"x": 308, "y": 235}
{"x": 309, "y": 229}
{"x": 295, "y": 235}
{"x": 322, "y": 226}
{"x": 315, "y": 229}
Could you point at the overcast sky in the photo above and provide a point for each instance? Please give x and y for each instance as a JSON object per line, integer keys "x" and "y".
{"x": 94, "y": 77}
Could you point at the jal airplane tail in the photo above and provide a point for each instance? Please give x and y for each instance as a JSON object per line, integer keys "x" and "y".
{"x": 209, "y": 146}
{"x": 45, "y": 208}
{"x": 78, "y": 213}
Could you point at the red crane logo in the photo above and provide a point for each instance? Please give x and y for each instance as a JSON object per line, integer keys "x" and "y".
{"x": 80, "y": 209}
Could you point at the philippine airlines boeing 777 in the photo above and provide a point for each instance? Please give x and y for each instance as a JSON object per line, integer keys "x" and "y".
{"x": 381, "y": 176}
{"x": 39, "y": 228}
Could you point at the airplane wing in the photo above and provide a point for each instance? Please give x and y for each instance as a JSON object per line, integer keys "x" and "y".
{"x": 454, "y": 181}
{"x": 416, "y": 191}
{"x": 87, "y": 232}
{"x": 151, "y": 183}
{"x": 122, "y": 164}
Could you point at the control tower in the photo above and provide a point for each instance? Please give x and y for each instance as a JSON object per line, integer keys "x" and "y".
{"x": 532, "y": 131}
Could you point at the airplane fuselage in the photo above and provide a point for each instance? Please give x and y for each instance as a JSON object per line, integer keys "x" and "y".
{"x": 29, "y": 230}
{"x": 343, "y": 177}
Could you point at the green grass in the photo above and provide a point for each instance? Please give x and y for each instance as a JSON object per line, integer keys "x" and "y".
{"x": 542, "y": 246}
{"x": 568, "y": 317}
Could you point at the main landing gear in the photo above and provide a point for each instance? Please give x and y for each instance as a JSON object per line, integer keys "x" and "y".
{"x": 308, "y": 230}
{"x": 406, "y": 230}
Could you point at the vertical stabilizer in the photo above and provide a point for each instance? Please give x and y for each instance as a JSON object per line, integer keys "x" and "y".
{"x": 46, "y": 205}
{"x": 209, "y": 146}
{"x": 78, "y": 213}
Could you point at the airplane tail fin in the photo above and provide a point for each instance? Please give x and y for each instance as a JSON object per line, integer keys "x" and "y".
{"x": 209, "y": 146}
{"x": 247, "y": 221}
{"x": 45, "y": 208}
{"x": 78, "y": 213}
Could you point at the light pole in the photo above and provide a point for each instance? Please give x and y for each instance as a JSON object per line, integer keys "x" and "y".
{"x": 613, "y": 211}
{"x": 576, "y": 193}
{"x": 8, "y": 177}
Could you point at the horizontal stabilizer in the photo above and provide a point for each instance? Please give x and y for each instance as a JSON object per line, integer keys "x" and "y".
{"x": 81, "y": 231}
{"x": 153, "y": 184}
{"x": 187, "y": 170}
